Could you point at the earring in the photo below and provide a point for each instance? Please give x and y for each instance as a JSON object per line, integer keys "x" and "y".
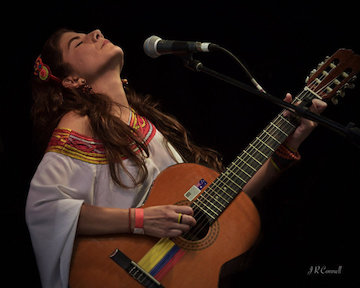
{"x": 125, "y": 82}
{"x": 86, "y": 89}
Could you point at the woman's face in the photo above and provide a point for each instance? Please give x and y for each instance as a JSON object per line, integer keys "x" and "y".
{"x": 90, "y": 54}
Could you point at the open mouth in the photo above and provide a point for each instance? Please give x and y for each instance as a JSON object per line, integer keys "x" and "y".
{"x": 105, "y": 42}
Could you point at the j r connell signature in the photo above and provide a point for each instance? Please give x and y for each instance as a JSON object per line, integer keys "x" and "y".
{"x": 323, "y": 270}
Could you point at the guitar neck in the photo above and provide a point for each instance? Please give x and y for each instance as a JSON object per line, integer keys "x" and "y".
{"x": 220, "y": 193}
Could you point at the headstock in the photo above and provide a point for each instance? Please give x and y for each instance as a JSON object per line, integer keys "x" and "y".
{"x": 333, "y": 75}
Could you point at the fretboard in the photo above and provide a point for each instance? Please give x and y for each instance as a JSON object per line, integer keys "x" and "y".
{"x": 220, "y": 193}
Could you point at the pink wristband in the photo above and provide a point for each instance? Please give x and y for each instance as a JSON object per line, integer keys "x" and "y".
{"x": 139, "y": 221}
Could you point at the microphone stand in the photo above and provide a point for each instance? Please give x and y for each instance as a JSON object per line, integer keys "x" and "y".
{"x": 351, "y": 132}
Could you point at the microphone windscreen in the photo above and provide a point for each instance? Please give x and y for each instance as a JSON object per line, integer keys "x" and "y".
{"x": 150, "y": 46}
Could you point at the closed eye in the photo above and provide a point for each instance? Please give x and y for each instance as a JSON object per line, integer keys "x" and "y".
{"x": 77, "y": 45}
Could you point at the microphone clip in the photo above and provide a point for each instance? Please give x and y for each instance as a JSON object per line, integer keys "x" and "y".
{"x": 191, "y": 63}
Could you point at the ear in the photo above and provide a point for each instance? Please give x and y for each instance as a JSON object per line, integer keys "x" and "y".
{"x": 73, "y": 81}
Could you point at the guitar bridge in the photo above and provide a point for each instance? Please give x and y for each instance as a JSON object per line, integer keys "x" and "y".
{"x": 134, "y": 270}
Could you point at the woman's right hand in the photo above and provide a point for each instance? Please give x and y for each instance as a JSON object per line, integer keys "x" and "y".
{"x": 162, "y": 221}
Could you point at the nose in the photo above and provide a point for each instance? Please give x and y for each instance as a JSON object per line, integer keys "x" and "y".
{"x": 96, "y": 35}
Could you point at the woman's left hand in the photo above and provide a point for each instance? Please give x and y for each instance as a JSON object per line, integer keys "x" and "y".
{"x": 306, "y": 126}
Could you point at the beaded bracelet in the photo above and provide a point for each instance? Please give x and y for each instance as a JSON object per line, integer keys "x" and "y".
{"x": 284, "y": 157}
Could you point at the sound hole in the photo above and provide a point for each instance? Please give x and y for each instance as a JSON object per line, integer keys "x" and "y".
{"x": 201, "y": 229}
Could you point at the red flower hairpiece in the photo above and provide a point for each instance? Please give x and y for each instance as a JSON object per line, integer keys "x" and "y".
{"x": 43, "y": 71}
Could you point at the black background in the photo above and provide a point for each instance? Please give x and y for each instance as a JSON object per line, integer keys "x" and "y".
{"x": 309, "y": 216}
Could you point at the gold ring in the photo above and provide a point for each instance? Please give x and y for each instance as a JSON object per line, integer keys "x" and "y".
{"x": 179, "y": 218}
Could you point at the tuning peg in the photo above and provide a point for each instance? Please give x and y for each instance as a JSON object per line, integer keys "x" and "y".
{"x": 335, "y": 100}
{"x": 312, "y": 72}
{"x": 349, "y": 86}
{"x": 353, "y": 78}
{"x": 340, "y": 93}
{"x": 320, "y": 64}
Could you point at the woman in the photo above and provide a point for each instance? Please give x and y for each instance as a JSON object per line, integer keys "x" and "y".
{"x": 107, "y": 147}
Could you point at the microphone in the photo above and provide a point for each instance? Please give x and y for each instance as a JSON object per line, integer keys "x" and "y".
{"x": 154, "y": 47}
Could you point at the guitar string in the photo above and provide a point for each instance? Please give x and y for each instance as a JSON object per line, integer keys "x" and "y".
{"x": 245, "y": 165}
{"x": 273, "y": 130}
{"x": 244, "y": 162}
{"x": 213, "y": 195}
{"x": 224, "y": 183}
{"x": 296, "y": 98}
{"x": 258, "y": 145}
{"x": 249, "y": 151}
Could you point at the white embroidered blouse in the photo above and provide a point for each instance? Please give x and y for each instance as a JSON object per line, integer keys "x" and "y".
{"x": 74, "y": 171}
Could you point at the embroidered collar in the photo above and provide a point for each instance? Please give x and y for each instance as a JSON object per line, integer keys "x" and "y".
{"x": 70, "y": 143}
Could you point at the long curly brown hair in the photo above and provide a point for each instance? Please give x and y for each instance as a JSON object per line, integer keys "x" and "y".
{"x": 52, "y": 101}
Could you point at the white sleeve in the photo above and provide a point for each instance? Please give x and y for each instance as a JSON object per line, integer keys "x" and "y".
{"x": 57, "y": 192}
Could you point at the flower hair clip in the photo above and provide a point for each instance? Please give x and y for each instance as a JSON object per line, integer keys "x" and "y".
{"x": 43, "y": 71}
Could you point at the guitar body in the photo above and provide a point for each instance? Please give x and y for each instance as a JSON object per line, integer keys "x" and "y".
{"x": 230, "y": 235}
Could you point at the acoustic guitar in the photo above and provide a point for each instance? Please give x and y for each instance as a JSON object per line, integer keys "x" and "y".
{"x": 227, "y": 220}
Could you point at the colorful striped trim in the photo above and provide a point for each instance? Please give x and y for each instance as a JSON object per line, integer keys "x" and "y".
{"x": 161, "y": 258}
{"x": 75, "y": 145}
{"x": 70, "y": 143}
{"x": 143, "y": 126}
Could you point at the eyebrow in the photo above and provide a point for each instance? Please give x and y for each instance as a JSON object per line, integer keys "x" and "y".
{"x": 71, "y": 40}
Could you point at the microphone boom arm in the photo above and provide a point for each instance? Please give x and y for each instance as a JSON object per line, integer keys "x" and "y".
{"x": 351, "y": 132}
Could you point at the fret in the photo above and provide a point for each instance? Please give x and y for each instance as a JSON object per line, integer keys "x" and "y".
{"x": 271, "y": 123}
{"x": 208, "y": 200}
{"x": 219, "y": 194}
{"x": 227, "y": 186}
{"x": 247, "y": 174}
{"x": 284, "y": 127}
{"x": 246, "y": 163}
{"x": 253, "y": 165}
{"x": 252, "y": 157}
{"x": 291, "y": 125}
{"x": 270, "y": 144}
{"x": 223, "y": 189}
{"x": 236, "y": 184}
{"x": 272, "y": 137}
{"x": 272, "y": 150}
{"x": 202, "y": 200}
{"x": 287, "y": 121}
{"x": 218, "y": 197}
{"x": 265, "y": 156}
